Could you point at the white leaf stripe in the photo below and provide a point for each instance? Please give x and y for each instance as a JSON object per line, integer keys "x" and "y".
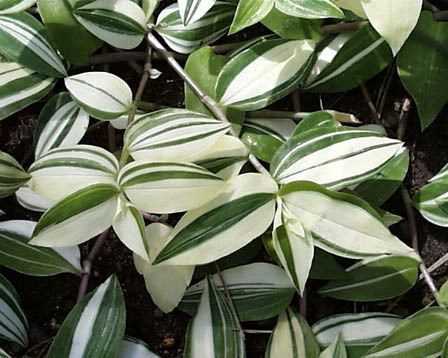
{"x": 27, "y": 31}
{"x": 89, "y": 86}
{"x": 314, "y": 9}
{"x": 193, "y": 10}
{"x": 13, "y": 323}
{"x": 13, "y": 6}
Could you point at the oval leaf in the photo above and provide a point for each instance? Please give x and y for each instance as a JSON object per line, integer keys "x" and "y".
{"x": 12, "y": 6}
{"x": 12, "y": 175}
{"x": 309, "y": 9}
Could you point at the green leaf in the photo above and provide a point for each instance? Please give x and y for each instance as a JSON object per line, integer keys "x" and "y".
{"x": 383, "y": 15}
{"x": 13, "y": 325}
{"x": 376, "y": 279}
{"x": 360, "y": 331}
{"x": 13, "y": 6}
{"x": 166, "y": 297}
{"x": 62, "y": 123}
{"x": 23, "y": 40}
{"x": 185, "y": 39}
{"x": 172, "y": 135}
{"x": 163, "y": 187}
{"x": 317, "y": 120}
{"x": 325, "y": 266}
{"x": 335, "y": 350}
{"x": 62, "y": 171}
{"x": 422, "y": 75}
{"x": 421, "y": 335}
{"x": 103, "y": 95}
{"x": 259, "y": 291}
{"x": 310, "y": 9}
{"x": 249, "y": 12}
{"x": 77, "y": 218}
{"x": 12, "y": 175}
{"x": 348, "y": 60}
{"x": 241, "y": 213}
{"x": 215, "y": 330}
{"x": 334, "y": 158}
{"x": 120, "y": 23}
{"x": 341, "y": 224}
{"x": 193, "y": 10}
{"x": 18, "y": 255}
{"x": 443, "y": 294}
{"x": 74, "y": 42}
{"x": 292, "y": 337}
{"x": 149, "y": 6}
{"x": 264, "y": 72}
{"x": 95, "y": 326}
{"x": 134, "y": 348}
{"x": 20, "y": 87}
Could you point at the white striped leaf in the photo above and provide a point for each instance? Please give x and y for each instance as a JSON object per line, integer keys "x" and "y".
{"x": 23, "y": 40}
{"x": 360, "y": 331}
{"x": 341, "y": 224}
{"x": 134, "y": 348}
{"x": 193, "y": 10}
{"x": 63, "y": 171}
{"x": 13, "y": 322}
{"x": 95, "y": 326}
{"x": 172, "y": 135}
{"x": 185, "y": 39}
{"x": 18, "y": 255}
{"x": 383, "y": 15}
{"x": 309, "y": 9}
{"x": 3, "y": 354}
{"x": 12, "y": 175}
{"x": 166, "y": 297}
{"x": 103, "y": 95}
{"x": 62, "y": 123}
{"x": 432, "y": 199}
{"x": 167, "y": 187}
{"x": 215, "y": 330}
{"x": 12, "y": 6}
{"x": 120, "y": 23}
{"x": 259, "y": 291}
{"x": 149, "y": 6}
{"x": 375, "y": 279}
{"x": 264, "y": 72}
{"x": 241, "y": 213}
{"x": 349, "y": 60}
{"x": 225, "y": 158}
{"x": 129, "y": 226}
{"x": 292, "y": 338}
{"x": 421, "y": 335}
{"x": 335, "y": 350}
{"x": 249, "y": 12}
{"x": 32, "y": 201}
{"x": 293, "y": 245}
{"x": 20, "y": 87}
{"x": 77, "y": 218}
{"x": 333, "y": 158}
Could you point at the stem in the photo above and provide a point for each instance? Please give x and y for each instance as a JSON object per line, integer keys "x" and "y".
{"x": 368, "y": 98}
{"x": 342, "y": 27}
{"x": 88, "y": 264}
{"x": 257, "y": 331}
{"x": 441, "y": 15}
{"x": 208, "y": 101}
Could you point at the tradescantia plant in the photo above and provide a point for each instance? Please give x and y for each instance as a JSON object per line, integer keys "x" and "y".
{"x": 192, "y": 189}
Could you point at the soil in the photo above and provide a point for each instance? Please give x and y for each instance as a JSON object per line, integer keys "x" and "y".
{"x": 47, "y": 301}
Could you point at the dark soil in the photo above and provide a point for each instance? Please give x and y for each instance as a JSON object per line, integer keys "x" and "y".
{"x": 47, "y": 301}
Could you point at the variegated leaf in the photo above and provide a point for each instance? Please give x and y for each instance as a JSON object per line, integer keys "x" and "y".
{"x": 185, "y": 39}
{"x": 18, "y": 255}
{"x": 23, "y": 40}
{"x": 134, "y": 348}
{"x": 341, "y": 224}
{"x": 166, "y": 297}
{"x": 421, "y": 335}
{"x": 264, "y": 72}
{"x": 193, "y": 10}
{"x": 309, "y": 9}
{"x": 360, "y": 331}
{"x": 334, "y": 158}
{"x": 215, "y": 330}
{"x": 103, "y": 95}
{"x": 168, "y": 187}
{"x": 259, "y": 291}
{"x": 20, "y": 87}
{"x": 335, "y": 350}
{"x": 120, "y": 23}
{"x": 12, "y": 175}
{"x": 292, "y": 337}
{"x": 354, "y": 6}
{"x": 63, "y": 171}
{"x": 95, "y": 326}
{"x": 13, "y": 323}
{"x": 12, "y": 6}
{"x": 241, "y": 213}
{"x": 77, "y": 218}
{"x": 249, "y": 12}
{"x": 62, "y": 123}
{"x": 32, "y": 201}
{"x": 172, "y": 135}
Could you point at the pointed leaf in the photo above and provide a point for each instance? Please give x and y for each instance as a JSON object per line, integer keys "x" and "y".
{"x": 249, "y": 12}
{"x": 335, "y": 350}
{"x": 12, "y": 175}
{"x": 309, "y": 9}
{"x": 193, "y": 10}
